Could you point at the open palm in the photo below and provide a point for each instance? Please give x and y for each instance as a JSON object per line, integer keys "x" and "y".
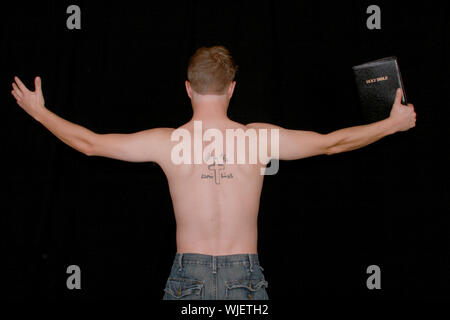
{"x": 30, "y": 101}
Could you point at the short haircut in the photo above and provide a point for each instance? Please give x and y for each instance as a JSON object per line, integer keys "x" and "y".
{"x": 211, "y": 70}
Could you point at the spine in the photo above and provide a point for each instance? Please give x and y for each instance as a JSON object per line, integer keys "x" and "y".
{"x": 404, "y": 100}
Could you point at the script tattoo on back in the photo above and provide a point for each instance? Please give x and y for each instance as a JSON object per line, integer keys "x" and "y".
{"x": 217, "y": 170}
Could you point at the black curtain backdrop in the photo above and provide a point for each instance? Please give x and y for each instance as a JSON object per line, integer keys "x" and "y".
{"x": 323, "y": 220}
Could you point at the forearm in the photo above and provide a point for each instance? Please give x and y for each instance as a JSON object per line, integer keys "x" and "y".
{"x": 70, "y": 133}
{"x": 359, "y": 136}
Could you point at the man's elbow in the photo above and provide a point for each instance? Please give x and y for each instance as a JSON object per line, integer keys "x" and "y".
{"x": 330, "y": 146}
{"x": 334, "y": 144}
{"x": 332, "y": 150}
{"x": 88, "y": 146}
{"x": 87, "y": 150}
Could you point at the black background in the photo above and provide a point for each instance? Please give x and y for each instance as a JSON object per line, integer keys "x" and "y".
{"x": 323, "y": 220}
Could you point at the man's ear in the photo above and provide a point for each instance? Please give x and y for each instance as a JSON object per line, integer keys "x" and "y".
{"x": 188, "y": 88}
{"x": 231, "y": 89}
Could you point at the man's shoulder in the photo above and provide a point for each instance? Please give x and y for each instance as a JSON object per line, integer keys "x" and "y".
{"x": 158, "y": 133}
{"x": 262, "y": 125}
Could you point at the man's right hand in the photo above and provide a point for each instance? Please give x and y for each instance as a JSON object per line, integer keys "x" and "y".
{"x": 30, "y": 101}
{"x": 403, "y": 116}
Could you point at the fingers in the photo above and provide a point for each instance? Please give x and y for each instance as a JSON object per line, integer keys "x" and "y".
{"x": 398, "y": 96}
{"x": 37, "y": 84}
{"x": 17, "y": 91}
{"x": 411, "y": 106}
{"x": 20, "y": 84}
{"x": 14, "y": 93}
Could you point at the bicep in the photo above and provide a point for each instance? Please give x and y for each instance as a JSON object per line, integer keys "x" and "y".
{"x": 296, "y": 144}
{"x": 144, "y": 146}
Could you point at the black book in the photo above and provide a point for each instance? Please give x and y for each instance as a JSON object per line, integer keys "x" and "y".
{"x": 377, "y": 82}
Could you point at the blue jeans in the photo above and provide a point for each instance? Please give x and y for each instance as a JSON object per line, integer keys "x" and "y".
{"x": 204, "y": 277}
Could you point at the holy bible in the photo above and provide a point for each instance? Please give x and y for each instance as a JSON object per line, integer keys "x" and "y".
{"x": 377, "y": 82}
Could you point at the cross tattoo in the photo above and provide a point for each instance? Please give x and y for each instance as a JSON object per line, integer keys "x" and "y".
{"x": 216, "y": 167}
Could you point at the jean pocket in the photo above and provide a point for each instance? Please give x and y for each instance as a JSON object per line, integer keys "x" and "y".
{"x": 246, "y": 289}
{"x": 183, "y": 289}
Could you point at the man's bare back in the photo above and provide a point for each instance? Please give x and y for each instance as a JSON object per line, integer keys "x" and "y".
{"x": 216, "y": 205}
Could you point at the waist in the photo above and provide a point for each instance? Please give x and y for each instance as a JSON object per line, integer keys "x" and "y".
{"x": 219, "y": 243}
{"x": 219, "y": 260}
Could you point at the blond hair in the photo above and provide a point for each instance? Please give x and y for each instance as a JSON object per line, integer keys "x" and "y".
{"x": 211, "y": 70}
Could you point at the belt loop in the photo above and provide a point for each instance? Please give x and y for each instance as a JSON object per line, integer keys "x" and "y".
{"x": 214, "y": 262}
{"x": 251, "y": 262}
{"x": 180, "y": 262}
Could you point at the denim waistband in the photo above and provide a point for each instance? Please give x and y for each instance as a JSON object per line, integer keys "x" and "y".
{"x": 214, "y": 261}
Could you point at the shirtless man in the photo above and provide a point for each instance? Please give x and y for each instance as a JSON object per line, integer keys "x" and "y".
{"x": 215, "y": 210}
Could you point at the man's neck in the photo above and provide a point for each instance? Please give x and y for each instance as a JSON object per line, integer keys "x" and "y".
{"x": 210, "y": 107}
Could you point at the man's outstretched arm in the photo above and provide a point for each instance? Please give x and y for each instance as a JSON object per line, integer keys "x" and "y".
{"x": 136, "y": 147}
{"x": 297, "y": 144}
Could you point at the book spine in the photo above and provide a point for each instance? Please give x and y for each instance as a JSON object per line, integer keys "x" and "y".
{"x": 404, "y": 100}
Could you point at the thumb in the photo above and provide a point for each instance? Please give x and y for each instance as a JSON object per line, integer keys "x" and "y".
{"x": 37, "y": 84}
{"x": 398, "y": 96}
